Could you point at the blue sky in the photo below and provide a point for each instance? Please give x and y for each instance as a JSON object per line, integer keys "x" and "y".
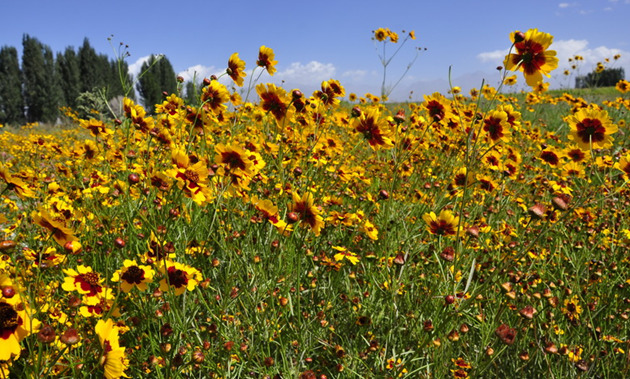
{"x": 319, "y": 40}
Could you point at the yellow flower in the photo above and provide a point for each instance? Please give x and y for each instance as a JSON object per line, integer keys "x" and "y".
{"x": 179, "y": 277}
{"x": 375, "y": 130}
{"x": 83, "y": 280}
{"x": 214, "y": 97}
{"x": 381, "y": 34}
{"x": 275, "y": 101}
{"x": 343, "y": 253}
{"x": 133, "y": 275}
{"x": 113, "y": 359}
{"x": 60, "y": 232}
{"x": 308, "y": 213}
{"x": 497, "y": 127}
{"x": 369, "y": 229}
{"x": 443, "y": 225}
{"x": 16, "y": 184}
{"x": 236, "y": 69}
{"x": 266, "y": 59}
{"x": 590, "y": 126}
{"x": 532, "y": 56}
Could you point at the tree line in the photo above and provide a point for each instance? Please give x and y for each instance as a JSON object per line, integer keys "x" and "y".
{"x": 80, "y": 79}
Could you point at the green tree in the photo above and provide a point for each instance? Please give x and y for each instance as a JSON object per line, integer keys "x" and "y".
{"x": 11, "y": 100}
{"x": 88, "y": 61}
{"x": 192, "y": 93}
{"x": 69, "y": 77}
{"x": 608, "y": 77}
{"x": 157, "y": 76}
{"x": 41, "y": 93}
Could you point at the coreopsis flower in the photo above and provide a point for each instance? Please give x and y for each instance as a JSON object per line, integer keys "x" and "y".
{"x": 191, "y": 178}
{"x": 236, "y": 69}
{"x": 179, "y": 277}
{"x": 56, "y": 226}
{"x": 510, "y": 80}
{"x": 308, "y": 214}
{"x": 16, "y": 323}
{"x": 214, "y": 97}
{"x": 591, "y": 127}
{"x": 623, "y": 86}
{"x": 83, "y": 280}
{"x": 15, "y": 184}
{"x": 330, "y": 93}
{"x": 381, "y": 34}
{"x": 113, "y": 360}
{"x": 137, "y": 114}
{"x": 624, "y": 166}
{"x": 233, "y": 159}
{"x": 370, "y": 230}
{"x": 274, "y": 100}
{"x": 133, "y": 275}
{"x": 375, "y": 130}
{"x": 343, "y": 253}
{"x": 531, "y": 56}
{"x": 48, "y": 258}
{"x": 437, "y": 106}
{"x": 266, "y": 59}
{"x": 97, "y": 306}
{"x": 97, "y": 128}
{"x": 172, "y": 105}
{"x": 443, "y": 225}
{"x": 496, "y": 126}
{"x": 572, "y": 308}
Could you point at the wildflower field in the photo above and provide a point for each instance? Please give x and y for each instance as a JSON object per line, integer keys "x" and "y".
{"x": 308, "y": 236}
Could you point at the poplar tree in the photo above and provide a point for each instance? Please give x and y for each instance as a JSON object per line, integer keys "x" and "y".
{"x": 69, "y": 77}
{"x": 11, "y": 100}
{"x": 157, "y": 76}
{"x": 41, "y": 93}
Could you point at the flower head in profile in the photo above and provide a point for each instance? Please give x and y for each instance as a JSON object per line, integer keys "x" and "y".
{"x": 14, "y": 183}
{"x": 443, "y": 225}
{"x": 531, "y": 56}
{"x": 60, "y": 232}
{"x": 236, "y": 69}
{"x": 113, "y": 359}
{"x": 266, "y": 59}
{"x": 624, "y": 166}
{"x": 133, "y": 275}
{"x": 591, "y": 127}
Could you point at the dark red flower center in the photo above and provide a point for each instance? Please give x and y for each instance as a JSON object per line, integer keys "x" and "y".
{"x": 133, "y": 275}
{"x": 233, "y": 159}
{"x": 494, "y": 128}
{"x": 176, "y": 277}
{"x": 89, "y": 282}
{"x": 9, "y": 320}
{"x": 591, "y": 129}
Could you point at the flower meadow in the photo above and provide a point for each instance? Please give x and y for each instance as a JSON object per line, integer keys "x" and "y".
{"x": 465, "y": 235}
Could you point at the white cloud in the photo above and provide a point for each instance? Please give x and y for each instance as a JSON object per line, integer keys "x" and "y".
{"x": 135, "y": 67}
{"x": 311, "y": 74}
{"x": 199, "y": 72}
{"x": 496, "y": 56}
{"x": 564, "y": 5}
{"x": 354, "y": 75}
